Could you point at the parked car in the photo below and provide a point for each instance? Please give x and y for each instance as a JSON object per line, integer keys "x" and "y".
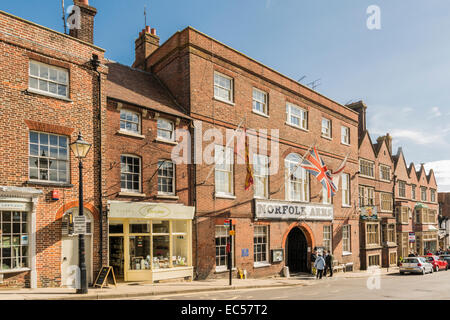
{"x": 438, "y": 264}
{"x": 445, "y": 257}
{"x": 415, "y": 265}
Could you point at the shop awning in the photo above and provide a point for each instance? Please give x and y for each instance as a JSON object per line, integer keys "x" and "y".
{"x": 421, "y": 205}
{"x": 432, "y": 228}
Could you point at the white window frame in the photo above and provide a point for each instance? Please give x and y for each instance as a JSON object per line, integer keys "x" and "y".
{"x": 381, "y": 167}
{"x": 302, "y": 182}
{"x": 377, "y": 234}
{"x": 327, "y": 237}
{"x": 159, "y": 130}
{"x": 224, "y": 233}
{"x": 325, "y": 198}
{"x": 346, "y": 191}
{"x": 346, "y": 240}
{"x": 261, "y": 174}
{"x": 230, "y": 90}
{"x": 160, "y": 164}
{"x": 302, "y": 118}
{"x": 345, "y": 135}
{"x": 126, "y": 121}
{"x": 258, "y": 245}
{"x": 401, "y": 182}
{"x": 132, "y": 173}
{"x": 423, "y": 197}
{"x": 48, "y": 81}
{"x": 49, "y": 157}
{"x": 264, "y": 103}
{"x": 23, "y": 250}
{"x": 413, "y": 191}
{"x": 432, "y": 195}
{"x": 326, "y": 130}
{"x": 228, "y": 160}
{"x": 369, "y": 164}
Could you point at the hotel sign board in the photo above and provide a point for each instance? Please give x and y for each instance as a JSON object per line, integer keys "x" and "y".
{"x": 286, "y": 210}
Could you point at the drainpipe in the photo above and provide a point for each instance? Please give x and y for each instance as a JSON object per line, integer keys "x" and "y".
{"x": 95, "y": 64}
{"x": 194, "y": 192}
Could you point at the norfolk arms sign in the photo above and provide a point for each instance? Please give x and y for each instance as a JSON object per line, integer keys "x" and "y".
{"x": 285, "y": 210}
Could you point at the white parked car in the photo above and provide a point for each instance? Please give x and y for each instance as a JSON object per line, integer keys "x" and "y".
{"x": 415, "y": 265}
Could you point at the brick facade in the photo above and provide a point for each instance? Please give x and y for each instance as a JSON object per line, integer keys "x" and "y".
{"x": 23, "y": 111}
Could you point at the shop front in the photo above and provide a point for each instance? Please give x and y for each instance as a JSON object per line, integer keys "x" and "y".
{"x": 150, "y": 241}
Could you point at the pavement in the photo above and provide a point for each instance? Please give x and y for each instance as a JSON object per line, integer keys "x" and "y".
{"x": 129, "y": 290}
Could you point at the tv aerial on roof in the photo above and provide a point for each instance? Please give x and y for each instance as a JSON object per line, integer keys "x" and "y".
{"x": 314, "y": 84}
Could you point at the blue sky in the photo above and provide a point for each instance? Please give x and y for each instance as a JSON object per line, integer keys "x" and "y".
{"x": 401, "y": 71}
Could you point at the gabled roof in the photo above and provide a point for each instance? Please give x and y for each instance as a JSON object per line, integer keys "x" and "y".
{"x": 421, "y": 173}
{"x": 379, "y": 145}
{"x": 140, "y": 88}
{"x": 399, "y": 157}
{"x": 366, "y": 133}
{"x": 431, "y": 175}
{"x": 412, "y": 172}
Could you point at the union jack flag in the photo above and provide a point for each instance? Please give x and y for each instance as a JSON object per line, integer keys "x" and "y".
{"x": 314, "y": 164}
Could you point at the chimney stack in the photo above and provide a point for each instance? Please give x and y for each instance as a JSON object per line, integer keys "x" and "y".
{"x": 87, "y": 14}
{"x": 145, "y": 45}
{"x": 360, "y": 107}
{"x": 389, "y": 143}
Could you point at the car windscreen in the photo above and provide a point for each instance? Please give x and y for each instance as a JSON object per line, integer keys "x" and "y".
{"x": 430, "y": 259}
{"x": 410, "y": 260}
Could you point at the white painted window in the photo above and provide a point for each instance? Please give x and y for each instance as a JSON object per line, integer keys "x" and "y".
{"x": 48, "y": 79}
{"x": 165, "y": 129}
{"x": 260, "y": 245}
{"x": 327, "y": 238}
{"x": 423, "y": 193}
{"x": 345, "y": 135}
{"x": 49, "y": 158}
{"x": 296, "y": 116}
{"x": 223, "y": 170}
{"x": 402, "y": 189}
{"x": 297, "y": 183}
{"x": 130, "y": 173}
{"x": 261, "y": 175}
{"x": 221, "y": 238}
{"x": 223, "y": 87}
{"x": 14, "y": 240}
{"x": 166, "y": 177}
{"x": 260, "y": 101}
{"x": 346, "y": 239}
{"x": 326, "y": 128}
{"x": 130, "y": 121}
{"x": 325, "y": 198}
{"x": 345, "y": 189}
{"x": 433, "y": 195}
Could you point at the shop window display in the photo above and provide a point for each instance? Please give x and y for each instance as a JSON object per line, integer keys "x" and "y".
{"x": 139, "y": 253}
{"x": 13, "y": 240}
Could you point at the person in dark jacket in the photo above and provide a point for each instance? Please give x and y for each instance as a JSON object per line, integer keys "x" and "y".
{"x": 328, "y": 264}
{"x": 411, "y": 255}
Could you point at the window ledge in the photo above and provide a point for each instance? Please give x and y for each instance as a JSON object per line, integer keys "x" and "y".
{"x": 224, "y": 101}
{"x": 260, "y": 114}
{"x": 346, "y": 206}
{"x": 131, "y": 194}
{"x": 50, "y": 184}
{"x": 367, "y": 177}
{"x": 130, "y": 134}
{"x": 223, "y": 270}
{"x": 166, "y": 141}
{"x": 345, "y": 144}
{"x": 15, "y": 270}
{"x": 326, "y": 137}
{"x": 225, "y": 196}
{"x": 261, "y": 265}
{"x": 296, "y": 127}
{"x": 346, "y": 253}
{"x": 167, "y": 196}
{"x": 46, "y": 94}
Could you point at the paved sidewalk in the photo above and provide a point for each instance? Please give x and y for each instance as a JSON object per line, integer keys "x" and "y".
{"x": 140, "y": 289}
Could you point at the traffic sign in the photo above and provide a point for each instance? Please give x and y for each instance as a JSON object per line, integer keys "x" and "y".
{"x": 232, "y": 232}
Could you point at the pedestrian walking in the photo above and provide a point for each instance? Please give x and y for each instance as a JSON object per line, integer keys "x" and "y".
{"x": 319, "y": 265}
{"x": 328, "y": 264}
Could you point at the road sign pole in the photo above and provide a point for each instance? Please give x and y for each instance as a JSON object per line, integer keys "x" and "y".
{"x": 230, "y": 264}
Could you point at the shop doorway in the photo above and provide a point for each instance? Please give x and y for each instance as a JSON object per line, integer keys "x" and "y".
{"x": 69, "y": 250}
{"x": 297, "y": 251}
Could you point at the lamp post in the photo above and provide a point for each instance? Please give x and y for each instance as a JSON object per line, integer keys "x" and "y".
{"x": 80, "y": 148}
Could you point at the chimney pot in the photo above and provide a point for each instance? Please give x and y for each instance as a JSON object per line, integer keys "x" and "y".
{"x": 153, "y": 31}
{"x": 147, "y": 29}
{"x": 86, "y": 2}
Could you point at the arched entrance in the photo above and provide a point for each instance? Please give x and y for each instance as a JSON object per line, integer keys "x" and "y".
{"x": 69, "y": 250}
{"x": 297, "y": 251}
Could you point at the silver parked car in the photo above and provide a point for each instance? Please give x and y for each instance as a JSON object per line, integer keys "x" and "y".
{"x": 415, "y": 265}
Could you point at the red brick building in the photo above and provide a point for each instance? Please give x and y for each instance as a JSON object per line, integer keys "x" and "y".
{"x": 416, "y": 208}
{"x": 377, "y": 227}
{"x": 444, "y": 220}
{"x": 48, "y": 93}
{"x": 223, "y": 89}
{"x": 149, "y": 217}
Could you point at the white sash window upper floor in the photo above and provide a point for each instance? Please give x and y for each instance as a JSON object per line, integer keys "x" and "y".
{"x": 48, "y": 80}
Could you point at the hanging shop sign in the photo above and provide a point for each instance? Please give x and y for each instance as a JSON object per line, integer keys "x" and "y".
{"x": 285, "y": 210}
{"x": 412, "y": 237}
{"x": 369, "y": 213}
{"x": 148, "y": 210}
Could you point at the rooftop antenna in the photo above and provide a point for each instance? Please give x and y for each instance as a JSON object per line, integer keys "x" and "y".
{"x": 64, "y": 17}
{"x": 145, "y": 16}
{"x": 314, "y": 84}
{"x": 299, "y": 80}
{"x": 349, "y": 101}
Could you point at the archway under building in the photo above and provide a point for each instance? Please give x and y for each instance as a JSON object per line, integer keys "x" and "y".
{"x": 297, "y": 251}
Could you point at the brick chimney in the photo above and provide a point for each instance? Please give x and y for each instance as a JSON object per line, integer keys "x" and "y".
{"x": 87, "y": 14}
{"x": 360, "y": 107}
{"x": 388, "y": 139}
{"x": 145, "y": 45}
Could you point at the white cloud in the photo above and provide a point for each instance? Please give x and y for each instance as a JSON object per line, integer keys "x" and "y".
{"x": 416, "y": 136}
{"x": 441, "y": 172}
{"x": 407, "y": 110}
{"x": 435, "y": 112}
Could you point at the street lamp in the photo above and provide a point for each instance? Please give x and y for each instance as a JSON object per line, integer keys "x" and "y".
{"x": 80, "y": 148}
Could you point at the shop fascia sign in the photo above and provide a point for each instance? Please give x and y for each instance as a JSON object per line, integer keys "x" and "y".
{"x": 285, "y": 210}
{"x": 14, "y": 206}
{"x": 124, "y": 209}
